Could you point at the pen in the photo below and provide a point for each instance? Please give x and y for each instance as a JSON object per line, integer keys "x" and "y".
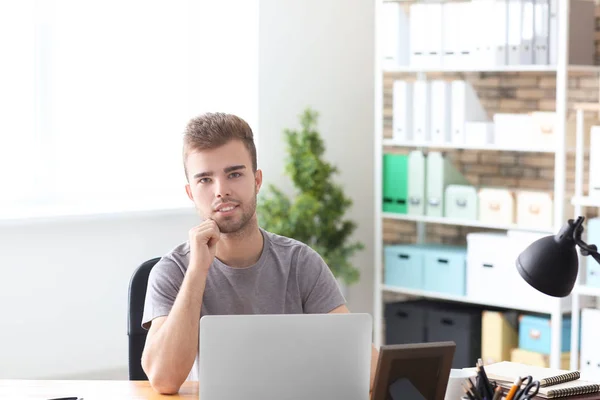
{"x": 478, "y": 396}
{"x": 489, "y": 392}
{"x": 498, "y": 393}
{"x": 67, "y": 398}
{"x": 468, "y": 393}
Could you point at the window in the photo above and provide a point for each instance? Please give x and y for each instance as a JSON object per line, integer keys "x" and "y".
{"x": 99, "y": 94}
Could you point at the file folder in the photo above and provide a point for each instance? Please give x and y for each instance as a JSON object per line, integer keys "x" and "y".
{"x": 395, "y": 185}
{"x": 542, "y": 29}
{"x": 421, "y": 111}
{"x": 402, "y": 111}
{"x": 527, "y": 32}
{"x": 515, "y": 24}
{"x": 500, "y": 27}
{"x": 417, "y": 175}
{"x": 434, "y": 34}
{"x": 440, "y": 111}
{"x": 418, "y": 35}
{"x": 451, "y": 38}
{"x": 440, "y": 174}
{"x": 396, "y": 45}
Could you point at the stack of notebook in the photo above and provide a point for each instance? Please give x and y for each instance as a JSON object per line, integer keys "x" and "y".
{"x": 554, "y": 383}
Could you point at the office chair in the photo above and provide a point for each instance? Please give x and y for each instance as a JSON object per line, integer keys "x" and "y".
{"x": 135, "y": 311}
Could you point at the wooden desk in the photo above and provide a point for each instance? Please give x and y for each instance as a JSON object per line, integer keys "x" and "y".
{"x": 89, "y": 390}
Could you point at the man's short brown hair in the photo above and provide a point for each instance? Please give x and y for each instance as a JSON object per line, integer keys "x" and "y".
{"x": 211, "y": 130}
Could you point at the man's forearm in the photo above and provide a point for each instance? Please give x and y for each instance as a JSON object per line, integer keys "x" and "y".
{"x": 170, "y": 355}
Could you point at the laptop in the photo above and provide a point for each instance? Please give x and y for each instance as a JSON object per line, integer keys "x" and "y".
{"x": 285, "y": 357}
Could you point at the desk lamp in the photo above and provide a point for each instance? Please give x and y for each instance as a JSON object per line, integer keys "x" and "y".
{"x": 550, "y": 264}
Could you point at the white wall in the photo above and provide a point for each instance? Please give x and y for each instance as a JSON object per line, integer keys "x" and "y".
{"x": 63, "y": 292}
{"x": 320, "y": 53}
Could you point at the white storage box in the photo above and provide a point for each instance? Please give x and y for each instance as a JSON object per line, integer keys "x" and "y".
{"x": 534, "y": 209}
{"x": 590, "y": 345}
{"x": 488, "y": 275}
{"x": 479, "y": 133}
{"x": 543, "y": 126}
{"x": 513, "y": 130}
{"x": 595, "y": 162}
{"x": 496, "y": 206}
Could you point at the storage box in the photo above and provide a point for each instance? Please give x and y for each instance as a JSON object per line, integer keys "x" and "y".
{"x": 513, "y": 130}
{"x": 395, "y": 183}
{"x": 489, "y": 270}
{"x": 405, "y": 322}
{"x": 590, "y": 345}
{"x": 496, "y": 206}
{"x": 479, "y": 133}
{"x": 535, "y": 333}
{"x": 534, "y": 209}
{"x": 592, "y": 267}
{"x": 445, "y": 269}
{"x": 543, "y": 125}
{"x": 460, "y": 325}
{"x": 499, "y": 336}
{"x": 404, "y": 266}
{"x": 461, "y": 202}
{"x": 538, "y": 359}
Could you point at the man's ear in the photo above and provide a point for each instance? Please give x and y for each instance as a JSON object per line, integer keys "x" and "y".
{"x": 258, "y": 179}
{"x": 188, "y": 190}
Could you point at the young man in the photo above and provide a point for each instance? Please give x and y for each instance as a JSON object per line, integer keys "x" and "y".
{"x": 229, "y": 265}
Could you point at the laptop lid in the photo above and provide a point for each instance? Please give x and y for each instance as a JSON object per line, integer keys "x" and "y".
{"x": 288, "y": 356}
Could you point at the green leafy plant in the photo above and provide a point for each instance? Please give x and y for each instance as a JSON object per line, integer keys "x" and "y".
{"x": 315, "y": 216}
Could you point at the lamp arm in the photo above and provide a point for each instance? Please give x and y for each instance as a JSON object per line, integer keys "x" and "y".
{"x": 588, "y": 249}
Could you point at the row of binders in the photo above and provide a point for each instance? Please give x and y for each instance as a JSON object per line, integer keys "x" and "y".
{"x": 450, "y": 112}
{"x": 484, "y": 33}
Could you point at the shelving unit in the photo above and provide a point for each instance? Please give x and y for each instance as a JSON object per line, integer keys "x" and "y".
{"x": 467, "y": 300}
{"x": 461, "y": 222}
{"x": 504, "y": 68}
{"x": 556, "y": 307}
{"x": 580, "y": 202}
{"x": 491, "y": 147}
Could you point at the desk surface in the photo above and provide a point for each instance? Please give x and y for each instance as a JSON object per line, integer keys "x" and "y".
{"x": 89, "y": 390}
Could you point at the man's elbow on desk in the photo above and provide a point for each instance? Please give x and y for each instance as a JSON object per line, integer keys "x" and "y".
{"x": 164, "y": 386}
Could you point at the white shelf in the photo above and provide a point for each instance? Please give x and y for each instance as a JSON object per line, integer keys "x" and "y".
{"x": 467, "y": 300}
{"x": 501, "y": 68}
{"x": 585, "y": 201}
{"x": 462, "y": 222}
{"x": 491, "y": 147}
{"x": 587, "y": 291}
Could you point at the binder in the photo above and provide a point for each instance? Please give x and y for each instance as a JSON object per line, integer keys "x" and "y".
{"x": 482, "y": 53}
{"x": 594, "y": 183}
{"x": 421, "y": 111}
{"x": 542, "y": 29}
{"x": 441, "y": 98}
{"x": 451, "y": 21}
{"x": 500, "y": 16}
{"x": 434, "y": 34}
{"x": 440, "y": 174}
{"x": 527, "y": 32}
{"x": 418, "y": 35}
{"x": 466, "y": 107}
{"x": 417, "y": 175}
{"x": 466, "y": 33}
{"x": 396, "y": 43}
{"x": 553, "y": 33}
{"x": 402, "y": 114}
{"x": 590, "y": 346}
{"x": 395, "y": 183}
{"x": 515, "y": 23}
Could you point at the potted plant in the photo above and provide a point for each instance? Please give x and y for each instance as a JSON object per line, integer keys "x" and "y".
{"x": 315, "y": 215}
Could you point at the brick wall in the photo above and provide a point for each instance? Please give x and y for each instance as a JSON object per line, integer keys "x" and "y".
{"x": 509, "y": 93}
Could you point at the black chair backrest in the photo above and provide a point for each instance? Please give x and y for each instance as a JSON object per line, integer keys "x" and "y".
{"x": 135, "y": 311}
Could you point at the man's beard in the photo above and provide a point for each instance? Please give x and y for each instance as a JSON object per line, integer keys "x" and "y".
{"x": 231, "y": 225}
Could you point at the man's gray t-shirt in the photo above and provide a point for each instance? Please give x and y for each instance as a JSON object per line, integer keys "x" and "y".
{"x": 288, "y": 278}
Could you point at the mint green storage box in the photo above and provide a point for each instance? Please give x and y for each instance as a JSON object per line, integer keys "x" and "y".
{"x": 395, "y": 183}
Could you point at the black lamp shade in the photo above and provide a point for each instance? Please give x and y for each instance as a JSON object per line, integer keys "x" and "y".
{"x": 550, "y": 264}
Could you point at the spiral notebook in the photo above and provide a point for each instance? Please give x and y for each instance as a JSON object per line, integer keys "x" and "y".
{"x": 554, "y": 383}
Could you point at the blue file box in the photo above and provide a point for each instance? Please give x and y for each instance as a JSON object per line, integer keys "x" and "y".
{"x": 535, "y": 334}
{"x": 404, "y": 266}
{"x": 445, "y": 269}
{"x": 592, "y": 267}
